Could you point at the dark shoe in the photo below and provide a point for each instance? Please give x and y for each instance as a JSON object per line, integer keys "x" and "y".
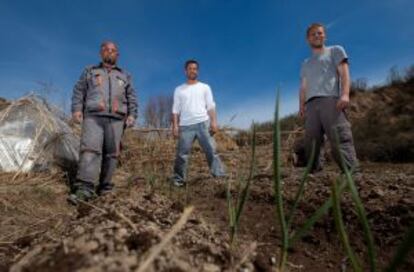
{"x": 178, "y": 183}
{"x": 80, "y": 196}
{"x": 105, "y": 189}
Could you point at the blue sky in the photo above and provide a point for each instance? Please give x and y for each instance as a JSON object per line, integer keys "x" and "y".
{"x": 246, "y": 48}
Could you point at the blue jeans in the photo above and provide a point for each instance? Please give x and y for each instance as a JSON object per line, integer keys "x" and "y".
{"x": 188, "y": 134}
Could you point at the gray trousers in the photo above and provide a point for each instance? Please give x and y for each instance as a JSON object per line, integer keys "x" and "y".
{"x": 99, "y": 151}
{"x": 188, "y": 134}
{"x": 322, "y": 117}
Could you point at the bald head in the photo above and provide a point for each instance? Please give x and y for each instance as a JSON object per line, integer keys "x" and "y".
{"x": 109, "y": 53}
{"x": 108, "y": 42}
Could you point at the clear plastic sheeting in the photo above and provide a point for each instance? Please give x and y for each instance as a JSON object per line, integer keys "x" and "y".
{"x": 14, "y": 151}
{"x": 35, "y": 135}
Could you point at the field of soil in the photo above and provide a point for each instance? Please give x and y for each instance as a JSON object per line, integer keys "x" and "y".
{"x": 39, "y": 231}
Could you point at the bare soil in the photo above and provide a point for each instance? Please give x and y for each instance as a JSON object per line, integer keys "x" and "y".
{"x": 39, "y": 231}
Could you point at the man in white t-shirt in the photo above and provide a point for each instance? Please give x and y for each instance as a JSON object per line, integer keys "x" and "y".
{"x": 194, "y": 117}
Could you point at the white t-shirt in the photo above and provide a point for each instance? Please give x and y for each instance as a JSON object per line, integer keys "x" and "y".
{"x": 192, "y": 102}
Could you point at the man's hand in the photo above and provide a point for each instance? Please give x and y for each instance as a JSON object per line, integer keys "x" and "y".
{"x": 343, "y": 102}
{"x": 343, "y": 71}
{"x": 130, "y": 121}
{"x": 302, "y": 111}
{"x": 302, "y": 97}
{"x": 213, "y": 128}
{"x": 175, "y": 131}
{"x": 77, "y": 117}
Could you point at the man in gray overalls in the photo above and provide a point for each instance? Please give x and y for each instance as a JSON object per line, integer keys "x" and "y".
{"x": 324, "y": 96}
{"x": 104, "y": 100}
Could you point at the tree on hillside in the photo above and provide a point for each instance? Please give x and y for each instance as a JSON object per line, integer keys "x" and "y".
{"x": 409, "y": 74}
{"x": 360, "y": 84}
{"x": 157, "y": 113}
{"x": 394, "y": 75}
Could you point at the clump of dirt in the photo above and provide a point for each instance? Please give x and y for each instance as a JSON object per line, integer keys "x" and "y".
{"x": 115, "y": 233}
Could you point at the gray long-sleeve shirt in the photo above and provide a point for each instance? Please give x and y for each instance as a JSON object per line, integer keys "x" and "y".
{"x": 105, "y": 93}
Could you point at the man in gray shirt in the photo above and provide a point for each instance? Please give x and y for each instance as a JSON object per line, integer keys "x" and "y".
{"x": 324, "y": 96}
{"x": 104, "y": 100}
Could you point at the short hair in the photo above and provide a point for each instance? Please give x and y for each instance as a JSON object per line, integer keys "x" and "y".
{"x": 104, "y": 43}
{"x": 312, "y": 26}
{"x": 191, "y": 61}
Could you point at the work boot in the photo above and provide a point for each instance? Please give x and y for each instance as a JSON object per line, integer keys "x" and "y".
{"x": 177, "y": 182}
{"x": 80, "y": 195}
{"x": 104, "y": 189}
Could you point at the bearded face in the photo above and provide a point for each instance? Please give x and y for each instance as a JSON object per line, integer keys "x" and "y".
{"x": 109, "y": 53}
{"x": 192, "y": 71}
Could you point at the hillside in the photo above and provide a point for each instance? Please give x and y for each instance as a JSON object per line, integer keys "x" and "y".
{"x": 383, "y": 123}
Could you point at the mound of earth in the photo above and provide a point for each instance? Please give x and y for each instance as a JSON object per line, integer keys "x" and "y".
{"x": 383, "y": 123}
{"x": 117, "y": 235}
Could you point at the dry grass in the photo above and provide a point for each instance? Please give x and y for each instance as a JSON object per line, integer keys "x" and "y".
{"x": 30, "y": 205}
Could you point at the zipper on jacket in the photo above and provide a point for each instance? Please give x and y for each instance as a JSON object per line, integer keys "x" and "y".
{"x": 110, "y": 93}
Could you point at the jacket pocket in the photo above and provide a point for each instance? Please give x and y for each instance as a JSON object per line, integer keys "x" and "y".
{"x": 95, "y": 102}
{"x": 95, "y": 97}
{"x": 119, "y": 101}
{"x": 96, "y": 79}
